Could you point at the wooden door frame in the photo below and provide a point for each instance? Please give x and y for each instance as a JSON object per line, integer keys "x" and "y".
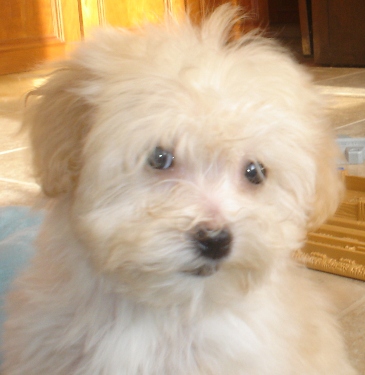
{"x": 305, "y": 19}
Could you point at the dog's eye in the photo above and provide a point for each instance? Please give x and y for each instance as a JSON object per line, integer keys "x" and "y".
{"x": 161, "y": 159}
{"x": 255, "y": 173}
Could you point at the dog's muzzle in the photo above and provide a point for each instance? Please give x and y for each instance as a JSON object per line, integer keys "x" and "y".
{"x": 212, "y": 244}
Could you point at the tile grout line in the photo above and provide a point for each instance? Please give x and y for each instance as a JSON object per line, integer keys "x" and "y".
{"x": 351, "y": 124}
{"x": 4, "y": 179}
{"x": 342, "y": 91}
{"x": 341, "y": 76}
{"x": 13, "y": 150}
{"x": 352, "y": 307}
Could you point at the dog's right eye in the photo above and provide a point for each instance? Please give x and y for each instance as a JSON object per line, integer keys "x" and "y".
{"x": 255, "y": 173}
{"x": 161, "y": 159}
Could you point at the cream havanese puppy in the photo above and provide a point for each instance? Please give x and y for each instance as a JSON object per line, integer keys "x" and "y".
{"x": 183, "y": 167}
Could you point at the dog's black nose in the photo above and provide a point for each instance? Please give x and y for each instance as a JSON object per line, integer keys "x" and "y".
{"x": 213, "y": 244}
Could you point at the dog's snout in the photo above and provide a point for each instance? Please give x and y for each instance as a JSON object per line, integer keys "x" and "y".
{"x": 213, "y": 244}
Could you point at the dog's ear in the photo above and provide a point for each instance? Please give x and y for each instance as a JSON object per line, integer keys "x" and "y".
{"x": 329, "y": 183}
{"x": 57, "y": 117}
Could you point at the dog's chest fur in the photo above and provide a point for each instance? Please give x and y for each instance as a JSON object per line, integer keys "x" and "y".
{"x": 100, "y": 332}
{"x": 96, "y": 332}
{"x": 112, "y": 336}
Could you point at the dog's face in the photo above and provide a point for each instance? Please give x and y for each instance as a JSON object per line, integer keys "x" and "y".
{"x": 189, "y": 163}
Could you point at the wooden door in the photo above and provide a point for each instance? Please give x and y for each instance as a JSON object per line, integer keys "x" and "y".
{"x": 35, "y": 30}
{"x": 125, "y": 13}
{"x": 339, "y": 32}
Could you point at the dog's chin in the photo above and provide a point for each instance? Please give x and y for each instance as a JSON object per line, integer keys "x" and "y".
{"x": 203, "y": 271}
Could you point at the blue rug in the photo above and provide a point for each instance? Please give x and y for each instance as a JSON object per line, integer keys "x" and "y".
{"x": 18, "y": 229}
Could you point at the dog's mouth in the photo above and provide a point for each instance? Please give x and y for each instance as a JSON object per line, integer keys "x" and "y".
{"x": 204, "y": 270}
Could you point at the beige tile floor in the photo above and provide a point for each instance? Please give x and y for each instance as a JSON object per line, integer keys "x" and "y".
{"x": 345, "y": 89}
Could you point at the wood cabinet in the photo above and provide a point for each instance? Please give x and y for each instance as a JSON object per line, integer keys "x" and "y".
{"x": 339, "y": 32}
{"x": 33, "y": 31}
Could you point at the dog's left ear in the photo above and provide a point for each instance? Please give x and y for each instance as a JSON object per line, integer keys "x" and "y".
{"x": 329, "y": 183}
{"x": 57, "y": 118}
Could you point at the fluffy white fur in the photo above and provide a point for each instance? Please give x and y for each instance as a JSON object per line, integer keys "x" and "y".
{"x": 114, "y": 288}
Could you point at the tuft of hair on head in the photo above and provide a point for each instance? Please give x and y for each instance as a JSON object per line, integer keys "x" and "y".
{"x": 218, "y": 26}
{"x": 58, "y": 114}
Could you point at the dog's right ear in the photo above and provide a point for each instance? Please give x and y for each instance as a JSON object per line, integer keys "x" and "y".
{"x": 57, "y": 117}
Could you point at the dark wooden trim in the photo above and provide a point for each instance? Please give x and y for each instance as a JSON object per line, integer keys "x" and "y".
{"x": 339, "y": 32}
{"x": 305, "y": 19}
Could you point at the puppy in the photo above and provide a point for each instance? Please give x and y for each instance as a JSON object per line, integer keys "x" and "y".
{"x": 182, "y": 168}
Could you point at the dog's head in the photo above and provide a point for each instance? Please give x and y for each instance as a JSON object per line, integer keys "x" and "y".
{"x": 187, "y": 160}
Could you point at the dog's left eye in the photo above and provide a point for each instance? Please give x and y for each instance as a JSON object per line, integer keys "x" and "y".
{"x": 161, "y": 159}
{"x": 255, "y": 173}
